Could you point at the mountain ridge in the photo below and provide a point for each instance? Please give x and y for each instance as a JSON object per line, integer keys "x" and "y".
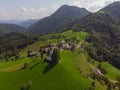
{"x": 62, "y": 16}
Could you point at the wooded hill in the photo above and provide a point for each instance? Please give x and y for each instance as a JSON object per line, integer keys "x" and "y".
{"x": 8, "y": 28}
{"x": 104, "y": 29}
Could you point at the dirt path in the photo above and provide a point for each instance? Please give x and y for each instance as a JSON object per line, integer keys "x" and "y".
{"x": 12, "y": 68}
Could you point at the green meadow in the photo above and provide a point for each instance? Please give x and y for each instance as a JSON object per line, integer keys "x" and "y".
{"x": 44, "y": 76}
{"x": 71, "y": 74}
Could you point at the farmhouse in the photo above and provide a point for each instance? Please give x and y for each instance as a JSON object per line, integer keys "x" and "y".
{"x": 49, "y": 54}
{"x": 49, "y": 58}
{"x": 97, "y": 72}
{"x": 48, "y": 51}
{"x": 32, "y": 54}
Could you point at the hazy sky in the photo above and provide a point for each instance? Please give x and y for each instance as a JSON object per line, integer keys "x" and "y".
{"x": 26, "y": 9}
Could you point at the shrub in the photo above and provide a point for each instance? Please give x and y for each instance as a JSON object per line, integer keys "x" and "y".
{"x": 93, "y": 84}
{"x": 28, "y": 53}
{"x": 25, "y": 65}
{"x": 102, "y": 82}
{"x": 105, "y": 79}
{"x": 23, "y": 87}
{"x": 29, "y": 85}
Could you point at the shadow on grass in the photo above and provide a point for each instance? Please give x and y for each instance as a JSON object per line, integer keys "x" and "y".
{"x": 35, "y": 65}
{"x": 23, "y": 68}
{"x": 50, "y": 66}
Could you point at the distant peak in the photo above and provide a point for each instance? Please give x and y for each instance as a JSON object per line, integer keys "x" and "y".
{"x": 70, "y": 7}
{"x": 65, "y": 5}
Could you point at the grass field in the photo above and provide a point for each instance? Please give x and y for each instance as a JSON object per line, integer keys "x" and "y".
{"x": 112, "y": 72}
{"x": 66, "y": 73}
{"x": 4, "y": 64}
{"x": 85, "y": 67}
{"x": 45, "y": 76}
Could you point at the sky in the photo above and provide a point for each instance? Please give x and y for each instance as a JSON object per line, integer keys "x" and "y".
{"x": 37, "y": 9}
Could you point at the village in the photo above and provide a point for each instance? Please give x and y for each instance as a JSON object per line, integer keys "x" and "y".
{"x": 60, "y": 46}
{"x": 48, "y": 50}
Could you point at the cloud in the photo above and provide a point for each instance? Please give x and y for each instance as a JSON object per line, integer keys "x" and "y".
{"x": 28, "y": 13}
{"x": 28, "y": 10}
{"x": 23, "y": 9}
{"x": 38, "y": 12}
{"x": 8, "y": 14}
{"x": 92, "y": 5}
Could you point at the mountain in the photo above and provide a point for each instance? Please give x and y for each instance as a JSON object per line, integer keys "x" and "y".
{"x": 8, "y": 28}
{"x": 24, "y": 23}
{"x": 62, "y": 16}
{"x": 13, "y": 42}
{"x": 113, "y": 9}
{"x": 12, "y": 21}
{"x": 28, "y": 23}
{"x": 104, "y": 29}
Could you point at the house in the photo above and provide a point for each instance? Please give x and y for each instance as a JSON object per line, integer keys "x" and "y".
{"x": 79, "y": 44}
{"x": 64, "y": 45}
{"x": 46, "y": 49}
{"x": 74, "y": 45}
{"x": 63, "y": 41}
{"x": 49, "y": 53}
{"x": 97, "y": 72}
{"x": 31, "y": 54}
{"x": 49, "y": 58}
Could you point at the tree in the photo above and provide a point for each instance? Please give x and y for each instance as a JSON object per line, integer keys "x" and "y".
{"x": 42, "y": 51}
{"x": 93, "y": 84}
{"x": 56, "y": 56}
{"x": 28, "y": 52}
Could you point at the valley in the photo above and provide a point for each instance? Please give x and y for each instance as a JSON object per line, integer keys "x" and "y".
{"x": 72, "y": 73}
{"x": 69, "y": 49}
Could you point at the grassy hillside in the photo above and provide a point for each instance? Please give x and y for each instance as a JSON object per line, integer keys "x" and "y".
{"x": 112, "y": 72}
{"x": 44, "y": 76}
{"x": 4, "y": 64}
{"x": 33, "y": 47}
{"x": 73, "y": 73}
